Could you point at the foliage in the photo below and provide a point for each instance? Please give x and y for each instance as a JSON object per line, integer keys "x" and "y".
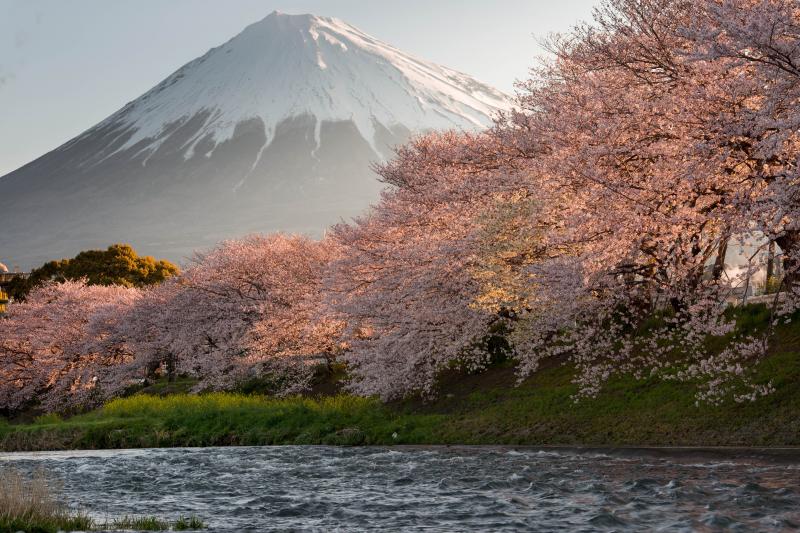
{"x": 184, "y": 523}
{"x": 31, "y": 504}
{"x": 140, "y": 523}
{"x": 410, "y": 274}
{"x": 246, "y": 309}
{"x": 28, "y": 504}
{"x": 771, "y": 285}
{"x": 655, "y": 135}
{"x": 119, "y": 264}
{"x": 471, "y": 409}
{"x": 56, "y": 346}
{"x": 590, "y": 226}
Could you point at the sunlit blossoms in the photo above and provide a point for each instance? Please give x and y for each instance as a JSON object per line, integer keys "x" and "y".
{"x": 246, "y": 308}
{"x": 55, "y": 346}
{"x": 603, "y": 222}
{"x": 656, "y": 139}
{"x": 412, "y": 273}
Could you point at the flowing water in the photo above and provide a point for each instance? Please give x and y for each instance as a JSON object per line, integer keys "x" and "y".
{"x": 432, "y": 489}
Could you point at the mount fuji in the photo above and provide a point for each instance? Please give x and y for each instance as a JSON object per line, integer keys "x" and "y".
{"x": 274, "y": 130}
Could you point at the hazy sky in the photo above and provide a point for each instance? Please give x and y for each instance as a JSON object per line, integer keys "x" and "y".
{"x": 66, "y": 65}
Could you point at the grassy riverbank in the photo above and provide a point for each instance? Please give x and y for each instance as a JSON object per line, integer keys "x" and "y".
{"x": 29, "y": 505}
{"x": 471, "y": 409}
{"x": 33, "y": 505}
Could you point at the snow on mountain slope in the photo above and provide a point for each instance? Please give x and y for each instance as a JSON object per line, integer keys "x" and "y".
{"x": 274, "y": 130}
{"x": 291, "y": 65}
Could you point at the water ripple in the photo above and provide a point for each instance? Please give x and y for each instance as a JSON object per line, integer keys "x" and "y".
{"x": 436, "y": 489}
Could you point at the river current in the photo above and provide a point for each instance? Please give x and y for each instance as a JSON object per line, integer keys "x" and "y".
{"x": 300, "y": 488}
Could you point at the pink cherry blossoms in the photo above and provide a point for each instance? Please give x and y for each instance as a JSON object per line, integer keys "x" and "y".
{"x": 56, "y": 345}
{"x": 246, "y": 308}
{"x": 653, "y": 138}
{"x": 596, "y": 223}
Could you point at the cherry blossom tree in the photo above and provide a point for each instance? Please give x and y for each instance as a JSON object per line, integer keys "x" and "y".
{"x": 414, "y": 279}
{"x": 653, "y": 137}
{"x": 646, "y": 118}
{"x": 592, "y": 222}
{"x": 759, "y": 43}
{"x": 55, "y": 349}
{"x": 245, "y": 309}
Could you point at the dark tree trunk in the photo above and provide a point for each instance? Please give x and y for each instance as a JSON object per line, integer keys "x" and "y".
{"x": 790, "y": 245}
{"x": 719, "y": 263}
{"x": 170, "y": 364}
{"x": 770, "y": 262}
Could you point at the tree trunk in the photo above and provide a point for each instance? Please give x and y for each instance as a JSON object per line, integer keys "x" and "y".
{"x": 790, "y": 245}
{"x": 770, "y": 263}
{"x": 170, "y": 367}
{"x": 719, "y": 263}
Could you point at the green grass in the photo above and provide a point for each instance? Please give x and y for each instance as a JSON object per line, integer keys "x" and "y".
{"x": 29, "y": 504}
{"x": 471, "y": 409}
{"x": 188, "y": 523}
{"x": 33, "y": 504}
{"x": 153, "y": 523}
{"x": 82, "y": 522}
{"x": 51, "y": 524}
{"x": 140, "y": 523}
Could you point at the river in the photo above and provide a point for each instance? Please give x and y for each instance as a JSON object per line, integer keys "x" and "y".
{"x": 432, "y": 489}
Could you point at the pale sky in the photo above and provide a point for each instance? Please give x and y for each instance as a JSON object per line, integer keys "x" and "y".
{"x": 66, "y": 65}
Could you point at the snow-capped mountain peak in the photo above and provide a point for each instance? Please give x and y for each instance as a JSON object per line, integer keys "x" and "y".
{"x": 293, "y": 65}
{"x": 277, "y": 129}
